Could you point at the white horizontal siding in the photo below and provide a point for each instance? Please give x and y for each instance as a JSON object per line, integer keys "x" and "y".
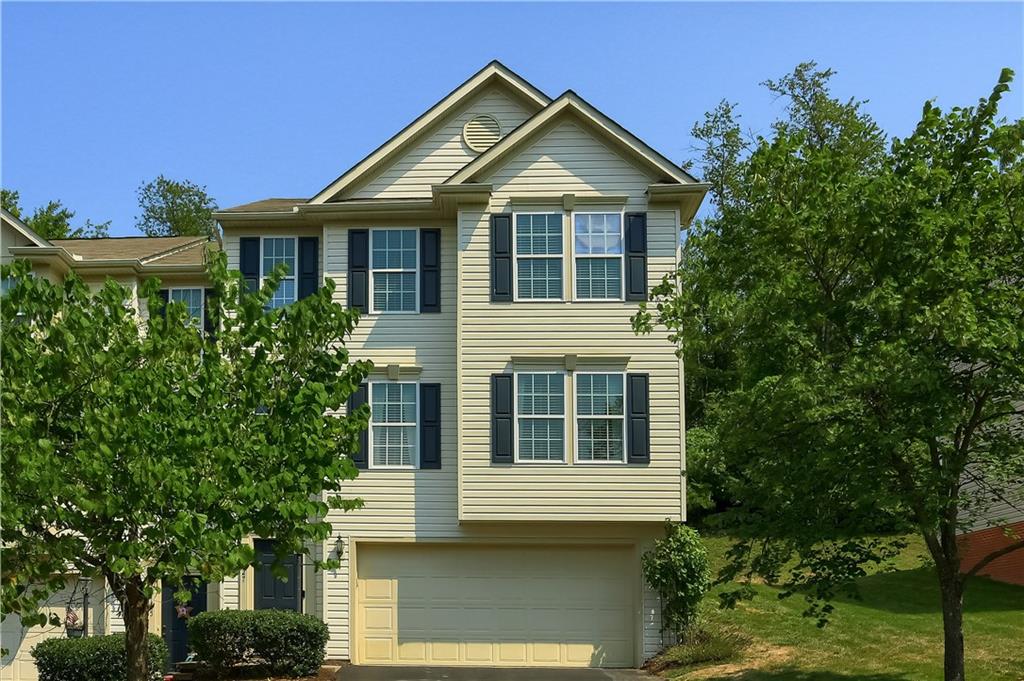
{"x": 442, "y": 151}
{"x": 991, "y": 509}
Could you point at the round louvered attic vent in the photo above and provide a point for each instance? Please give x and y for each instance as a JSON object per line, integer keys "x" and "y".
{"x": 480, "y": 132}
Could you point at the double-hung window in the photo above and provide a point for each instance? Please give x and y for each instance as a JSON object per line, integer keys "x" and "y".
{"x": 192, "y": 298}
{"x": 393, "y": 258}
{"x": 538, "y": 251}
{"x": 600, "y": 418}
{"x": 598, "y": 249}
{"x": 393, "y": 408}
{"x": 280, "y": 250}
{"x": 540, "y": 416}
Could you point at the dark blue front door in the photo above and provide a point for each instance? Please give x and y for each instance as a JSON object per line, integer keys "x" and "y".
{"x": 175, "y": 617}
{"x": 270, "y": 591}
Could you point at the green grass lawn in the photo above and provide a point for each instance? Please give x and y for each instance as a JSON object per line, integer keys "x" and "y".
{"x": 893, "y": 633}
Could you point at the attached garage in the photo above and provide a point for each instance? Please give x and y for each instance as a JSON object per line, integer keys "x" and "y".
{"x": 451, "y": 604}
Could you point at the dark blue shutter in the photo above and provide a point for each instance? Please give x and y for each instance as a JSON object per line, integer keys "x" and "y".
{"x": 210, "y": 319}
{"x": 502, "y": 415}
{"x": 636, "y": 256}
{"x": 501, "y": 258}
{"x": 309, "y": 265}
{"x": 430, "y": 270}
{"x": 359, "y": 269}
{"x": 356, "y": 400}
{"x": 164, "y": 295}
{"x": 249, "y": 261}
{"x": 638, "y": 415}
{"x": 430, "y": 425}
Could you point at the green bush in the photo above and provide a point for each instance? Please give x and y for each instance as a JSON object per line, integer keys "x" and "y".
{"x": 678, "y": 569}
{"x": 93, "y": 658}
{"x": 283, "y": 642}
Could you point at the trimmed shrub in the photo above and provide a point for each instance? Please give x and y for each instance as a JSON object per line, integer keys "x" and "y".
{"x": 93, "y": 658}
{"x": 678, "y": 569}
{"x": 283, "y": 642}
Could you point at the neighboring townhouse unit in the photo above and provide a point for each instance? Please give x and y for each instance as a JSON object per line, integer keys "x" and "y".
{"x": 1002, "y": 524}
{"x": 180, "y": 263}
{"x": 525, "y": 446}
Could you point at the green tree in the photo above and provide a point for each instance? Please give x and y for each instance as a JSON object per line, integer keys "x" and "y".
{"x": 53, "y": 221}
{"x": 862, "y": 303}
{"x": 173, "y": 208}
{"x": 141, "y": 451}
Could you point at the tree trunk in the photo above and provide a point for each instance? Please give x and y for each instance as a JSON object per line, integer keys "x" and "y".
{"x": 136, "y": 620}
{"x": 951, "y": 588}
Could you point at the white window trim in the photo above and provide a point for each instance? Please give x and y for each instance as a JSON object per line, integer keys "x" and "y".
{"x": 565, "y": 416}
{"x": 202, "y": 300}
{"x": 516, "y": 256}
{"x": 369, "y": 429}
{"x": 577, "y": 418}
{"x": 294, "y": 274}
{"x": 580, "y": 256}
{"x": 373, "y": 269}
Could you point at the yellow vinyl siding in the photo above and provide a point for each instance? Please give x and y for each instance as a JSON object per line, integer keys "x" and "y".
{"x": 11, "y": 238}
{"x": 442, "y": 151}
{"x": 566, "y": 159}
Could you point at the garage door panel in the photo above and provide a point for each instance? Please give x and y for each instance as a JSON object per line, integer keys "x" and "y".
{"x": 495, "y": 605}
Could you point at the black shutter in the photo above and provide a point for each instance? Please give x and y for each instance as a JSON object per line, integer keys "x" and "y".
{"x": 359, "y": 269}
{"x": 430, "y": 425}
{"x": 309, "y": 265}
{"x": 501, "y": 258}
{"x": 210, "y": 320}
{"x": 636, "y": 256}
{"x": 356, "y": 400}
{"x": 249, "y": 261}
{"x": 430, "y": 270}
{"x": 502, "y": 415}
{"x": 638, "y": 413}
{"x": 164, "y": 295}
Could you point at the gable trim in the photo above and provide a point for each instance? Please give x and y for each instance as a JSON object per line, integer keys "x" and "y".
{"x": 23, "y": 229}
{"x": 570, "y": 102}
{"x": 494, "y": 70}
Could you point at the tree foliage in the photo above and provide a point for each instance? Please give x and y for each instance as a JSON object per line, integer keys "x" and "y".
{"x": 52, "y": 221}
{"x": 141, "y": 449}
{"x": 175, "y": 208}
{"x": 854, "y": 311}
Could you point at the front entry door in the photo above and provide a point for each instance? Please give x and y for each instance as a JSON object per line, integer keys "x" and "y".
{"x": 273, "y": 592}
{"x": 175, "y": 617}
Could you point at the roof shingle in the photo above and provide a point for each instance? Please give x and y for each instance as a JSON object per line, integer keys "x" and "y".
{"x": 166, "y": 249}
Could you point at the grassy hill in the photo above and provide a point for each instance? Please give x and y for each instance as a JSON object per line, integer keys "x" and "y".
{"x": 894, "y": 633}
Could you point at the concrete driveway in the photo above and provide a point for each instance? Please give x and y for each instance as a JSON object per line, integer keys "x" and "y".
{"x": 363, "y": 673}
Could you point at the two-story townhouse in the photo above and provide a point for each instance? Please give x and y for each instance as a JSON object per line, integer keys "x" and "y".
{"x": 525, "y": 446}
{"x": 180, "y": 263}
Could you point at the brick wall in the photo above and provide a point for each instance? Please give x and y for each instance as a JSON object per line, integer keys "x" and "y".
{"x": 976, "y": 545}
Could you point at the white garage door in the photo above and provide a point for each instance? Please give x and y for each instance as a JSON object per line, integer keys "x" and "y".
{"x": 18, "y": 664}
{"x": 495, "y": 605}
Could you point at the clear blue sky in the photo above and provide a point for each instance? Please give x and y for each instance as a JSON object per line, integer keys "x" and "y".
{"x": 258, "y": 100}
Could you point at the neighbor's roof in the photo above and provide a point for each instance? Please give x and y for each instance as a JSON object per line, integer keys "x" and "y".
{"x": 177, "y": 250}
{"x": 266, "y": 206}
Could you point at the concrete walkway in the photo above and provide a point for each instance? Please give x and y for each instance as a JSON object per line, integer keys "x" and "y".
{"x": 364, "y": 673}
